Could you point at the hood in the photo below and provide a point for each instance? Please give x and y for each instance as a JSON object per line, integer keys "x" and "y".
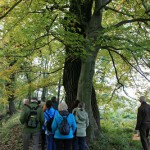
{"x": 81, "y": 114}
{"x": 50, "y": 111}
{"x": 60, "y": 115}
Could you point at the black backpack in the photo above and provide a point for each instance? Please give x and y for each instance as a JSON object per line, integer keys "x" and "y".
{"x": 32, "y": 120}
{"x": 49, "y": 122}
{"x": 64, "y": 127}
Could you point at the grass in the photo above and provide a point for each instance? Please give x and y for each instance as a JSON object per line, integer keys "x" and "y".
{"x": 116, "y": 137}
{"x": 10, "y": 133}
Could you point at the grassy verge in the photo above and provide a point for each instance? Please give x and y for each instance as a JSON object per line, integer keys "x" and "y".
{"x": 116, "y": 136}
{"x": 10, "y": 133}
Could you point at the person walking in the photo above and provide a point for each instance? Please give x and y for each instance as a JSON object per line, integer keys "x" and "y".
{"x": 32, "y": 118}
{"x": 54, "y": 102}
{"x": 82, "y": 121}
{"x": 63, "y": 142}
{"x": 49, "y": 114}
{"x": 143, "y": 122}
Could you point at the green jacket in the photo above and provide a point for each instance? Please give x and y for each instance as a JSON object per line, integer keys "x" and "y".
{"x": 82, "y": 121}
{"x": 24, "y": 115}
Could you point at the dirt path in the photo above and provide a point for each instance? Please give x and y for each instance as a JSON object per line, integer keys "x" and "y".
{"x": 13, "y": 141}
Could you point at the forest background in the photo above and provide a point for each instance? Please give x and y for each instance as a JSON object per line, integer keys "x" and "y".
{"x": 97, "y": 51}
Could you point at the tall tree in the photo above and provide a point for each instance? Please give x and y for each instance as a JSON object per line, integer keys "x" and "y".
{"x": 120, "y": 28}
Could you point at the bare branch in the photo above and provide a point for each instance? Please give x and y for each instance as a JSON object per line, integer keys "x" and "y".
{"x": 105, "y": 4}
{"x": 117, "y": 11}
{"x": 131, "y": 21}
{"x": 116, "y": 72}
{"x": 126, "y": 60}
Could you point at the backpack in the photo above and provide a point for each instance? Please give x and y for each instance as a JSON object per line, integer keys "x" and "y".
{"x": 64, "y": 127}
{"x": 49, "y": 122}
{"x": 32, "y": 120}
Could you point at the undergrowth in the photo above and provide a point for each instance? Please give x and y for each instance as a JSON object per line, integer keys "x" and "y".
{"x": 10, "y": 133}
{"x": 116, "y": 136}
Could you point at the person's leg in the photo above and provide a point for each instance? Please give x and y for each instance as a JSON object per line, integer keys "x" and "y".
{"x": 43, "y": 139}
{"x": 144, "y": 138}
{"x": 81, "y": 142}
{"x": 147, "y": 134}
{"x": 53, "y": 141}
{"x": 26, "y": 140}
{"x": 68, "y": 144}
{"x": 75, "y": 143}
{"x": 59, "y": 144}
{"x": 36, "y": 140}
{"x": 49, "y": 139}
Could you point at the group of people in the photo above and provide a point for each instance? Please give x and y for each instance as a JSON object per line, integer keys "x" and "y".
{"x": 77, "y": 119}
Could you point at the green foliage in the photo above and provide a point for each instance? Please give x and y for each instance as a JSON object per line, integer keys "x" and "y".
{"x": 6, "y": 125}
{"x": 116, "y": 137}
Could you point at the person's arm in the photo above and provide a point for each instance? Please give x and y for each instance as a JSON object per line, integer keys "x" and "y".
{"x": 23, "y": 115}
{"x": 87, "y": 121}
{"x": 74, "y": 125}
{"x": 139, "y": 119}
{"x": 54, "y": 125}
{"x": 41, "y": 116}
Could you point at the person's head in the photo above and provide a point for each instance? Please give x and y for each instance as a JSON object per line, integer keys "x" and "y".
{"x": 53, "y": 99}
{"x": 34, "y": 99}
{"x": 62, "y": 106}
{"x": 75, "y": 104}
{"x": 81, "y": 105}
{"x": 26, "y": 102}
{"x": 43, "y": 99}
{"x": 142, "y": 99}
{"x": 48, "y": 104}
{"x": 39, "y": 102}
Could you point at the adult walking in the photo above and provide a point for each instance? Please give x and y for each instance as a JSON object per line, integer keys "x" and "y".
{"x": 82, "y": 121}
{"x": 32, "y": 118}
{"x": 49, "y": 114}
{"x": 143, "y": 122}
{"x": 63, "y": 142}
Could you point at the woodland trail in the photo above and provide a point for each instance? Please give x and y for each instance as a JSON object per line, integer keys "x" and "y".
{"x": 14, "y": 140}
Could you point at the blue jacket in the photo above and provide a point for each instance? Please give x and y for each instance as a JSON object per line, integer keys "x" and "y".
{"x": 56, "y": 122}
{"x": 51, "y": 112}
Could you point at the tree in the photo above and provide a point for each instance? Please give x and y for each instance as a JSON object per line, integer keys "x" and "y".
{"x": 89, "y": 28}
{"x": 103, "y": 33}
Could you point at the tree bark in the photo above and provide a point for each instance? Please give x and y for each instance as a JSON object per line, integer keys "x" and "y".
{"x": 85, "y": 91}
{"x": 70, "y": 80}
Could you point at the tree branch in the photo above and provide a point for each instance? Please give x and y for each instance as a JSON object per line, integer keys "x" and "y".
{"x": 117, "y": 11}
{"x": 126, "y": 60}
{"x": 116, "y": 72}
{"x": 10, "y": 9}
{"x": 132, "y": 20}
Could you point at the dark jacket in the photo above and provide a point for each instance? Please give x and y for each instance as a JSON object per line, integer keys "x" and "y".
{"x": 143, "y": 115}
{"x": 24, "y": 115}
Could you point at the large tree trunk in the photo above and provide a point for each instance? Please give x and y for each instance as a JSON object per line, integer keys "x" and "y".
{"x": 70, "y": 80}
{"x": 85, "y": 90}
{"x": 95, "y": 110}
{"x": 72, "y": 68}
